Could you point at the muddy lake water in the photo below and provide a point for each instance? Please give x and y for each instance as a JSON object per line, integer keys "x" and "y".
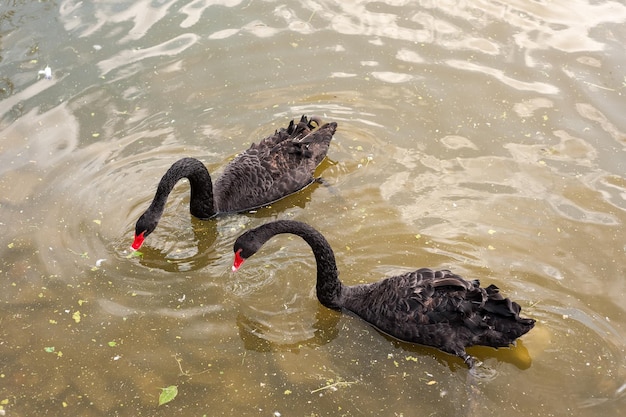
{"x": 483, "y": 136}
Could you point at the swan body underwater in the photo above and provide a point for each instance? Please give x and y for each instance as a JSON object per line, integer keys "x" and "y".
{"x": 277, "y": 166}
{"x": 428, "y": 307}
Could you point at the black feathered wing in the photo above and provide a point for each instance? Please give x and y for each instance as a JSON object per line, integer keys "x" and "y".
{"x": 274, "y": 168}
{"x": 438, "y": 309}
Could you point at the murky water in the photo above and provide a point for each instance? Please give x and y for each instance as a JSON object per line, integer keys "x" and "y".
{"x": 485, "y": 137}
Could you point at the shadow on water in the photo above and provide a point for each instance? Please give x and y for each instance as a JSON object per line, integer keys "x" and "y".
{"x": 517, "y": 355}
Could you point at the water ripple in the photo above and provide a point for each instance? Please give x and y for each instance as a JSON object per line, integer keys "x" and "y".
{"x": 501, "y": 76}
{"x": 194, "y": 9}
{"x": 171, "y": 47}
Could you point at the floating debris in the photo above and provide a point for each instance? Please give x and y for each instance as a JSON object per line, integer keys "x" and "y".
{"x": 46, "y": 72}
{"x": 168, "y": 394}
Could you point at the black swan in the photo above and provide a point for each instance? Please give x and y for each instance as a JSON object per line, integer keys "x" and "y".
{"x": 433, "y": 308}
{"x": 276, "y": 167}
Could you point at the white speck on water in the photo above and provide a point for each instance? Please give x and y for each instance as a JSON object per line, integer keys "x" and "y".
{"x": 46, "y": 72}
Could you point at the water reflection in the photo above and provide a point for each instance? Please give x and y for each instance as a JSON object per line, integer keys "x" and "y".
{"x": 196, "y": 254}
{"x": 171, "y": 47}
{"x": 291, "y": 336}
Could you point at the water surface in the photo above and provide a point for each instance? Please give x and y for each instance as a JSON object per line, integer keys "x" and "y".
{"x": 485, "y": 137}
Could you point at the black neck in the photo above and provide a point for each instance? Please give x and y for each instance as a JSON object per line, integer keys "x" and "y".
{"x": 329, "y": 288}
{"x": 201, "y": 204}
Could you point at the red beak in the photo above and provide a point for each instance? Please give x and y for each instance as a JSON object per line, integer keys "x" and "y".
{"x": 138, "y": 241}
{"x": 238, "y": 261}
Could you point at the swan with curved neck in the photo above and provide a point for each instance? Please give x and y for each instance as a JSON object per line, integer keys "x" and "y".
{"x": 270, "y": 170}
{"x": 432, "y": 308}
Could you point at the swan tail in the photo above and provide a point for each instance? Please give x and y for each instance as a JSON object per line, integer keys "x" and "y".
{"x": 501, "y": 320}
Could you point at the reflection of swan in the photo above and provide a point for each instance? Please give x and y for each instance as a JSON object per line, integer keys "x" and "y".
{"x": 254, "y": 333}
{"x": 517, "y": 356}
{"x": 276, "y": 167}
{"x": 205, "y": 234}
{"x": 432, "y": 308}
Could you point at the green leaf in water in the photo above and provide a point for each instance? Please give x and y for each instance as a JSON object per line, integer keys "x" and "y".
{"x": 134, "y": 254}
{"x": 168, "y": 394}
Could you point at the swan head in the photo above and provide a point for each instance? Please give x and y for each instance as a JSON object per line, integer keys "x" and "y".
{"x": 238, "y": 261}
{"x": 144, "y": 226}
{"x": 138, "y": 241}
{"x": 247, "y": 245}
